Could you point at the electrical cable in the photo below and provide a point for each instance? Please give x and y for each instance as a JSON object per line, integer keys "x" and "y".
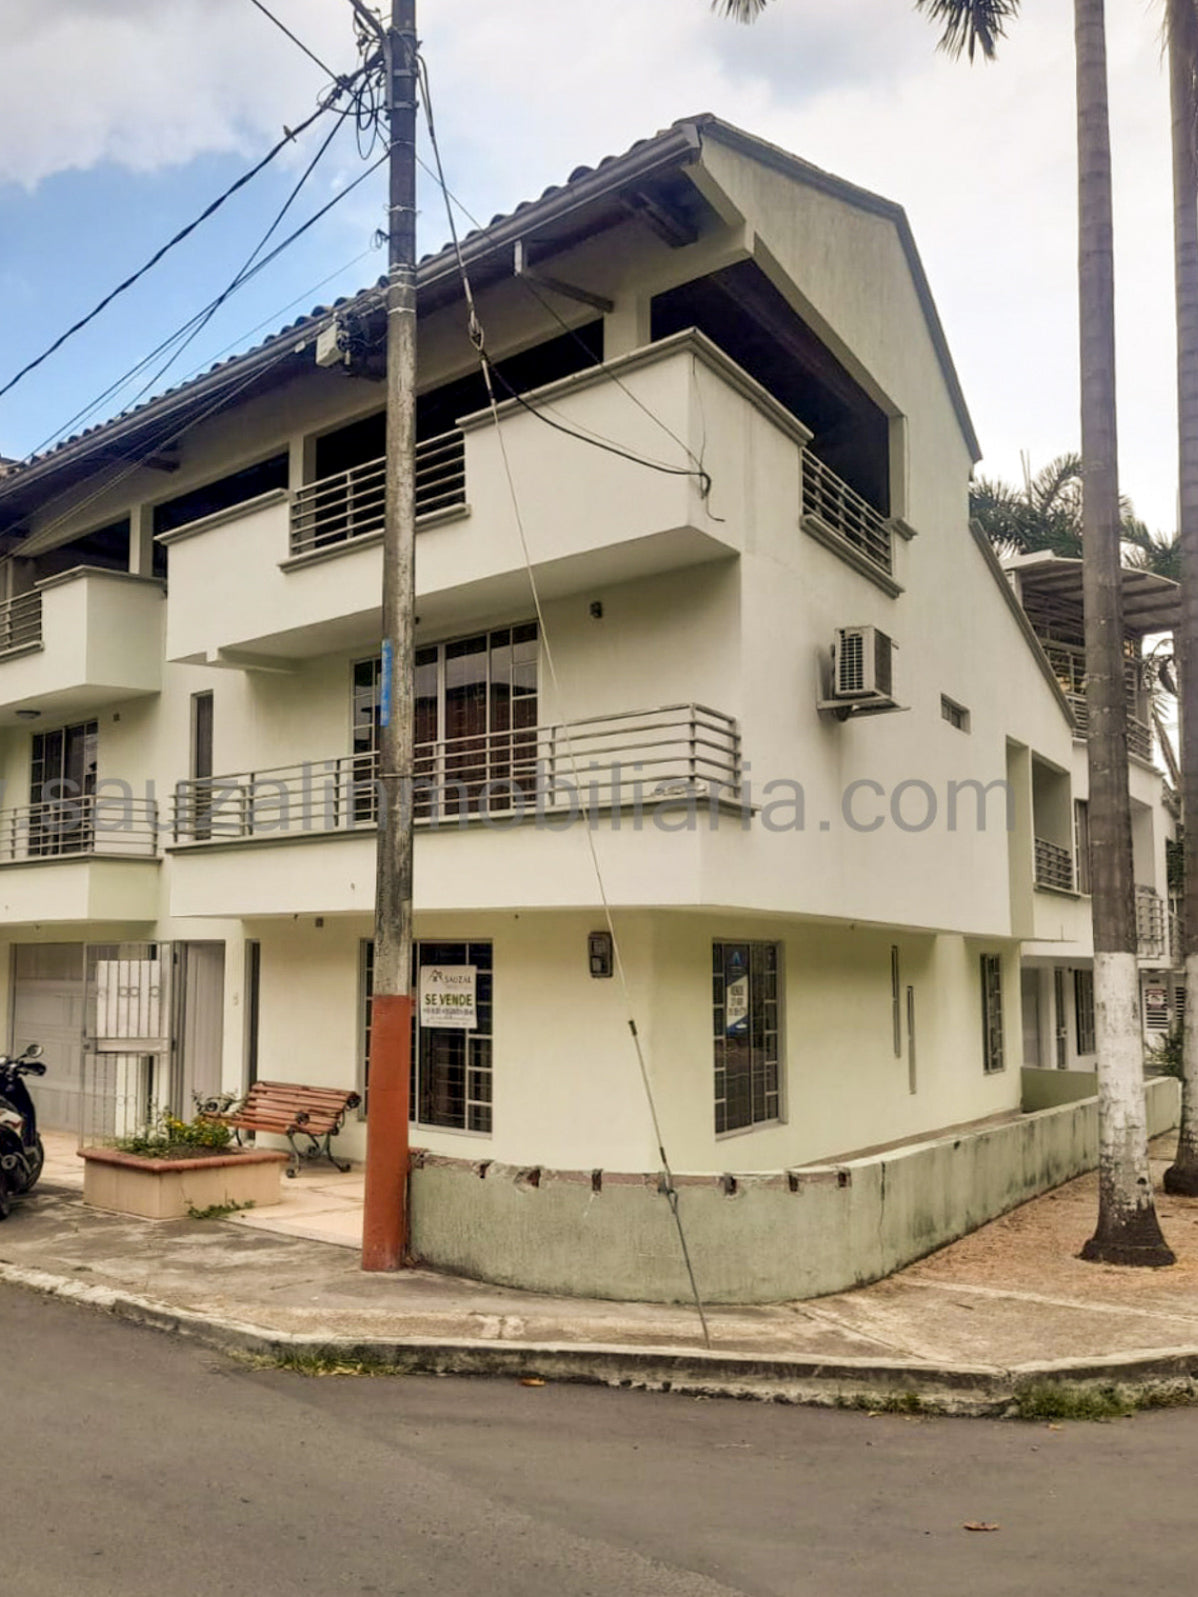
{"x": 667, "y": 1185}
{"x": 243, "y": 278}
{"x": 596, "y": 360}
{"x": 289, "y": 136}
{"x": 283, "y": 28}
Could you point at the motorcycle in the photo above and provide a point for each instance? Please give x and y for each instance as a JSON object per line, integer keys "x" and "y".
{"x": 21, "y": 1152}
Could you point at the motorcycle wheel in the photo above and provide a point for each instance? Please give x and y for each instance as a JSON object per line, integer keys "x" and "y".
{"x": 5, "y": 1197}
{"x": 35, "y": 1165}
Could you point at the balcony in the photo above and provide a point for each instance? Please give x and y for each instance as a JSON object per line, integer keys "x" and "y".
{"x": 348, "y": 507}
{"x": 494, "y": 813}
{"x": 839, "y": 517}
{"x": 79, "y": 641}
{"x": 1054, "y": 866}
{"x": 90, "y": 858}
{"x": 1139, "y": 733}
{"x": 280, "y": 580}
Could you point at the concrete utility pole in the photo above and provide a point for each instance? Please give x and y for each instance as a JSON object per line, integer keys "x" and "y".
{"x": 385, "y": 1223}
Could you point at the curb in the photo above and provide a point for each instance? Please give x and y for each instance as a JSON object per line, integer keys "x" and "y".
{"x": 980, "y": 1391}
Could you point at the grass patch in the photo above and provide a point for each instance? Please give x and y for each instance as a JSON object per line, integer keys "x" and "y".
{"x": 1049, "y": 1401}
{"x": 320, "y": 1362}
{"x": 887, "y": 1403}
{"x": 217, "y": 1211}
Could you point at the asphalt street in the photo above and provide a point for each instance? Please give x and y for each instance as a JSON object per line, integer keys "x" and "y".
{"x": 137, "y": 1464}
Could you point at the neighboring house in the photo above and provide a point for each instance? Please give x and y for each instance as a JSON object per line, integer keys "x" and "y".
{"x": 1057, "y": 976}
{"x": 827, "y": 964}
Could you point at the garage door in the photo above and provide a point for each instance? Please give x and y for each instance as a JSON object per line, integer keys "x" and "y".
{"x": 48, "y": 1007}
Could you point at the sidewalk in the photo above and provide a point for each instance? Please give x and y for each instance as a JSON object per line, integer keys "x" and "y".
{"x": 963, "y": 1330}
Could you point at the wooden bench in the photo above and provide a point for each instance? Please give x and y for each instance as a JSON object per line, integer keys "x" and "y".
{"x": 290, "y": 1109}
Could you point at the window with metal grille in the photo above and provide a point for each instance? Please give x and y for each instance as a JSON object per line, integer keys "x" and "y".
{"x": 451, "y": 1067}
{"x": 992, "y": 1038}
{"x": 1083, "y": 1007}
{"x": 745, "y": 1016}
{"x": 955, "y": 714}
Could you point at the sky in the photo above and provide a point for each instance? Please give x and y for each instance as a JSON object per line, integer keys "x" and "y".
{"x": 122, "y": 119}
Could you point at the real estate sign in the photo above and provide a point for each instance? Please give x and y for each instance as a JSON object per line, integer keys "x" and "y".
{"x": 447, "y": 996}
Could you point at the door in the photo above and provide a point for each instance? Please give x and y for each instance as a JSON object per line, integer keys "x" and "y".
{"x": 1029, "y": 988}
{"x": 62, "y": 786}
{"x": 48, "y": 1008}
{"x": 199, "y": 1024}
{"x": 1060, "y": 1028}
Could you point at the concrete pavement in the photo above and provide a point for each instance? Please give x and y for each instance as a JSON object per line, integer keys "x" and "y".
{"x": 963, "y": 1330}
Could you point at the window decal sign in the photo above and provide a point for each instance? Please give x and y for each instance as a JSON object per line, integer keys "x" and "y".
{"x": 447, "y": 996}
{"x": 736, "y": 994}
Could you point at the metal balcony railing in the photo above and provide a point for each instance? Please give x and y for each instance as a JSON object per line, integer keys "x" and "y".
{"x": 108, "y": 826}
{"x": 20, "y": 623}
{"x": 1054, "y": 866}
{"x": 640, "y": 760}
{"x": 1151, "y": 924}
{"x": 349, "y": 505}
{"x": 846, "y": 514}
{"x": 1139, "y": 733}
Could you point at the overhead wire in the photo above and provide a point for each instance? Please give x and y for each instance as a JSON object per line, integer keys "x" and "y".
{"x": 283, "y": 28}
{"x": 289, "y": 137}
{"x": 667, "y": 1186}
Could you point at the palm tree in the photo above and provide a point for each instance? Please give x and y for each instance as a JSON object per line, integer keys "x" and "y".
{"x": 1128, "y": 1231}
{"x": 1046, "y": 515}
{"x": 1181, "y": 32}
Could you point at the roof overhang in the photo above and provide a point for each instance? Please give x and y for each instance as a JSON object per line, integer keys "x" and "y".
{"x": 1150, "y": 603}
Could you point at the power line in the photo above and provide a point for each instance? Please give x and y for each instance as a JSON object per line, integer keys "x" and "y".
{"x": 283, "y": 28}
{"x": 289, "y": 136}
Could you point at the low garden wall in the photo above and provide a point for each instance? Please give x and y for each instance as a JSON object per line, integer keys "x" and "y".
{"x": 757, "y": 1238}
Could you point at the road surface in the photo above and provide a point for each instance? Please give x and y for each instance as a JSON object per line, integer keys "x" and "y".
{"x": 136, "y": 1464}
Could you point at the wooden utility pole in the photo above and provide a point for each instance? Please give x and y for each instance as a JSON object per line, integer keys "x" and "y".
{"x": 385, "y": 1222}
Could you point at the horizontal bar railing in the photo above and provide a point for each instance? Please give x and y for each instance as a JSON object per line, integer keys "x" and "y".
{"x": 20, "y": 623}
{"x": 349, "y": 505}
{"x": 1054, "y": 866}
{"x": 844, "y": 512}
{"x": 1139, "y": 733}
{"x": 1151, "y": 923}
{"x": 89, "y": 825}
{"x": 641, "y": 758}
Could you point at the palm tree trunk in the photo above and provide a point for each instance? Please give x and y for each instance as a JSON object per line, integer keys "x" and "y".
{"x": 1182, "y": 1175}
{"x": 1128, "y": 1231}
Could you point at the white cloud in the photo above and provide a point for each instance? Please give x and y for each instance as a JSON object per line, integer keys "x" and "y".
{"x": 982, "y": 157}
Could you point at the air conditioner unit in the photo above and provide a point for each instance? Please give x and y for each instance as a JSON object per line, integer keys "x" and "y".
{"x": 861, "y": 666}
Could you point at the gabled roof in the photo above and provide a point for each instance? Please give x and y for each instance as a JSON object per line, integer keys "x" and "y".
{"x": 588, "y": 200}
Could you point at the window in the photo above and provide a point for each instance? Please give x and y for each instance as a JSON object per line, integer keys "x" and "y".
{"x": 62, "y": 785}
{"x": 201, "y": 764}
{"x": 1081, "y": 843}
{"x": 745, "y": 1000}
{"x": 1083, "y": 1005}
{"x": 896, "y": 1014}
{"x": 992, "y": 1042}
{"x": 476, "y": 713}
{"x": 451, "y": 1066}
{"x": 955, "y": 714}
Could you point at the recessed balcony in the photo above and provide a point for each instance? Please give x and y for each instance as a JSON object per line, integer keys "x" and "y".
{"x": 79, "y": 859}
{"x": 80, "y": 640}
{"x": 285, "y": 578}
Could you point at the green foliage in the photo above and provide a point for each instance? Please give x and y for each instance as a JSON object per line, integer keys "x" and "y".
{"x": 172, "y": 1138}
{"x": 217, "y": 1211}
{"x": 888, "y": 1403}
{"x": 1051, "y": 1402}
{"x": 1165, "y": 1057}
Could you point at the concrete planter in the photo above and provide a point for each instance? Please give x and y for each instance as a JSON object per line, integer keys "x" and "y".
{"x": 167, "y": 1189}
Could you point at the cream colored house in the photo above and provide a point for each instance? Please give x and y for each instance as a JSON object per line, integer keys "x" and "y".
{"x": 780, "y": 708}
{"x": 1057, "y": 980}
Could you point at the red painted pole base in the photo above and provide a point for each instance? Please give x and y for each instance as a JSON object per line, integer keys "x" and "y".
{"x": 385, "y": 1221}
